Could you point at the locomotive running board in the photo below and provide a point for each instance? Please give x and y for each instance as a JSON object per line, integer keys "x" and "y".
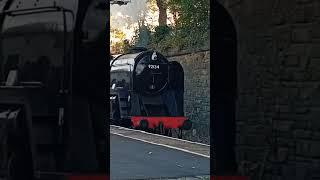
{"x": 169, "y": 142}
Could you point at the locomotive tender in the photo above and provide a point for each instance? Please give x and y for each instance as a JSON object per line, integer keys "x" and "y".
{"x": 146, "y": 92}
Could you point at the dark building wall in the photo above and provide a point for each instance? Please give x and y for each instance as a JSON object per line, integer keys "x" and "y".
{"x": 278, "y": 109}
{"x": 196, "y": 68}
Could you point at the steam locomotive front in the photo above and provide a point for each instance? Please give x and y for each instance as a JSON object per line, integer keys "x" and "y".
{"x": 144, "y": 81}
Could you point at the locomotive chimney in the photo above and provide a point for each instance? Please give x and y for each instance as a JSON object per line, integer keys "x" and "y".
{"x": 154, "y": 56}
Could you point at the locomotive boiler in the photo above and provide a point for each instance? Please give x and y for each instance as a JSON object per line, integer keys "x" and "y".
{"x": 146, "y": 92}
{"x": 52, "y": 92}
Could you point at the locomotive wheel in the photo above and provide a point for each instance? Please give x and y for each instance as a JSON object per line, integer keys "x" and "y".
{"x": 155, "y": 130}
{"x": 180, "y": 133}
{"x": 168, "y": 132}
{"x": 161, "y": 129}
{"x": 144, "y": 125}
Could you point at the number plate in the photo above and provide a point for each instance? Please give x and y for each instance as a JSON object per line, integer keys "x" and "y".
{"x": 154, "y": 66}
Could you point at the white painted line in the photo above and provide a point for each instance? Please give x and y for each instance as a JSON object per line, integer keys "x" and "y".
{"x": 183, "y": 140}
{"x": 164, "y": 145}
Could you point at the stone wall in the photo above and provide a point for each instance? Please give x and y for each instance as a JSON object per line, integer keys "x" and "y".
{"x": 278, "y": 110}
{"x": 196, "y": 67}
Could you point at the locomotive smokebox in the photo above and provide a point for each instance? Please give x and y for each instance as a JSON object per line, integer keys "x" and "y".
{"x": 151, "y": 73}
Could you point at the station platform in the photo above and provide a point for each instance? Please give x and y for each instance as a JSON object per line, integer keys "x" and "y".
{"x": 139, "y": 155}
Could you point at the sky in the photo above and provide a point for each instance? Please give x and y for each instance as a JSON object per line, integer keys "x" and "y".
{"x": 132, "y": 10}
{"x": 126, "y": 17}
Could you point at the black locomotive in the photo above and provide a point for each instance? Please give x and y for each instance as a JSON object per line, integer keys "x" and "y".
{"x": 52, "y": 92}
{"x": 146, "y": 92}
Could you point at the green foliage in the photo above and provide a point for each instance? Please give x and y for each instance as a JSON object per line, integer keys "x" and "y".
{"x": 193, "y": 13}
{"x": 193, "y": 23}
{"x": 160, "y": 33}
{"x": 191, "y": 29}
{"x": 142, "y": 37}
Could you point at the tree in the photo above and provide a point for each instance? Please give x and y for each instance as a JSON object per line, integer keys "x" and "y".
{"x": 162, "y": 5}
{"x": 192, "y": 20}
{"x": 162, "y": 9}
{"x": 189, "y": 29}
{"x": 117, "y": 41}
{"x": 142, "y": 37}
{"x": 117, "y": 33}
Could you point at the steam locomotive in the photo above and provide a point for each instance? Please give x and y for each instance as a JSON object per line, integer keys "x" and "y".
{"x": 146, "y": 92}
{"x": 52, "y": 92}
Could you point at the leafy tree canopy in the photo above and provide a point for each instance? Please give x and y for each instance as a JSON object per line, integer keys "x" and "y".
{"x": 190, "y": 28}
